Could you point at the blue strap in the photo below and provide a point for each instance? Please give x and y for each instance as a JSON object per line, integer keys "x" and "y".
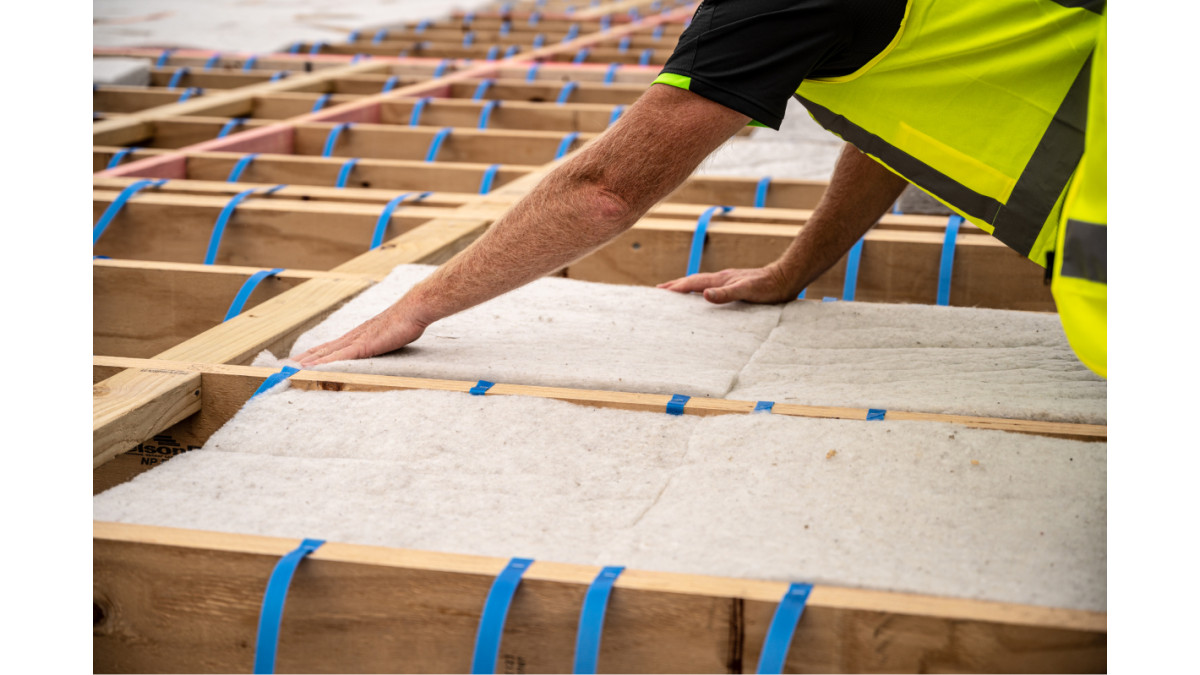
{"x": 658, "y": 30}
{"x": 294, "y": 49}
{"x": 763, "y": 406}
{"x": 271, "y": 616}
{"x": 468, "y": 38}
{"x": 212, "y": 61}
{"x": 274, "y": 379}
{"x": 623, "y": 44}
{"x": 481, "y": 387}
{"x": 616, "y": 114}
{"x": 422, "y": 25}
{"x": 534, "y": 18}
{"x": 344, "y": 172}
{"x": 386, "y": 217}
{"x": 321, "y": 101}
{"x": 120, "y": 156}
{"x": 876, "y": 414}
{"x": 564, "y": 146}
{"x": 390, "y": 84}
{"x": 565, "y": 92}
{"x": 359, "y": 57}
{"x": 539, "y": 40}
{"x": 801, "y": 296}
{"x": 492, "y": 53}
{"x": 250, "y": 63}
{"x": 605, "y": 21}
{"x": 495, "y": 611}
{"x": 380, "y": 36}
{"x": 190, "y": 92}
{"x": 851, "y": 282}
{"x": 946, "y": 269}
{"x": 676, "y": 404}
{"x": 482, "y": 89}
{"x": 591, "y": 619}
{"x": 486, "y": 113}
{"x": 634, "y": 14}
{"x": 230, "y": 126}
{"x": 828, "y": 298}
{"x": 278, "y": 75}
{"x": 418, "y": 108}
{"x": 505, "y": 29}
{"x": 331, "y": 139}
{"x": 511, "y": 51}
{"x": 316, "y": 48}
{"x": 581, "y": 56}
{"x": 783, "y": 627}
{"x": 489, "y": 177}
{"x": 647, "y": 54}
{"x": 468, "y": 18}
{"x": 243, "y": 294}
{"x": 693, "y": 265}
{"x": 442, "y": 66}
{"x": 115, "y": 207}
{"x": 760, "y": 192}
{"x": 896, "y": 208}
{"x": 611, "y": 73}
{"x": 354, "y": 35}
{"x": 240, "y": 167}
{"x": 214, "y": 241}
{"x": 531, "y": 74}
{"x": 437, "y": 143}
{"x": 572, "y": 33}
{"x": 162, "y": 58}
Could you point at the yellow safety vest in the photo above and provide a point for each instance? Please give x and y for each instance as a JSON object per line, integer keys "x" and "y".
{"x": 984, "y": 105}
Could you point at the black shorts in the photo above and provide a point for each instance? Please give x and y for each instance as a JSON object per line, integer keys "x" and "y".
{"x": 751, "y": 55}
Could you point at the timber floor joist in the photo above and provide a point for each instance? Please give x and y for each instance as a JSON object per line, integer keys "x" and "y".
{"x": 169, "y": 369}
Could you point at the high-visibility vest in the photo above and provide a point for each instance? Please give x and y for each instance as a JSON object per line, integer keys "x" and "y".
{"x": 984, "y": 105}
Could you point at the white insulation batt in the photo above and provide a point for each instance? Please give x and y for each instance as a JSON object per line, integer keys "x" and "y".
{"x": 563, "y": 332}
{"x": 906, "y": 506}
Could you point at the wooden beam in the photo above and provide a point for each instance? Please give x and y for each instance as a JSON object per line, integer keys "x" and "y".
{"x": 461, "y": 145}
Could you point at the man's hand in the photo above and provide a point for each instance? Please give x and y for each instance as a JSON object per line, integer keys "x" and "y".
{"x": 765, "y": 285}
{"x": 388, "y": 331}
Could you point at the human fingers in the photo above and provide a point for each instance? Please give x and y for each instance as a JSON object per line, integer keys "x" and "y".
{"x": 696, "y": 282}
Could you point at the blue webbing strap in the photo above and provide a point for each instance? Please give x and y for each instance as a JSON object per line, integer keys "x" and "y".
{"x": 359, "y": 57}
{"x": 321, "y": 101}
{"x": 693, "y": 264}
{"x": 534, "y": 18}
{"x": 442, "y": 66}
{"x": 763, "y": 406}
{"x": 418, "y": 108}
{"x": 274, "y": 379}
{"x": 760, "y": 192}
{"x": 946, "y": 268}
{"x": 647, "y": 54}
{"x": 634, "y": 14}
{"x": 468, "y": 18}
{"x": 212, "y": 61}
{"x": 230, "y": 126}
{"x": 581, "y": 56}
{"x": 876, "y": 414}
{"x": 505, "y": 29}
{"x": 240, "y": 167}
{"x": 468, "y": 38}
{"x": 783, "y": 627}
{"x": 422, "y": 25}
{"x": 616, "y": 114}
{"x": 565, "y": 92}
{"x": 354, "y": 35}
{"x": 495, "y": 611}
{"x": 190, "y": 92}
{"x": 658, "y": 31}
{"x": 486, "y": 113}
{"x": 436, "y": 145}
{"x": 851, "y": 282}
{"x": 572, "y": 33}
{"x": 243, "y": 294}
{"x": 344, "y": 172}
{"x": 278, "y": 75}
{"x": 214, "y": 241}
{"x": 177, "y": 76}
{"x": 390, "y": 84}
{"x": 115, "y": 207}
{"x": 271, "y": 616}
{"x": 828, "y": 298}
{"x": 676, "y": 404}
{"x": 564, "y": 146}
{"x": 385, "y": 217}
{"x": 481, "y": 90}
{"x": 481, "y": 387}
{"x": 331, "y": 139}
{"x": 380, "y": 35}
{"x": 623, "y": 44}
{"x": 162, "y": 58}
{"x": 611, "y": 73}
{"x": 294, "y": 49}
{"x": 492, "y": 53}
{"x": 120, "y": 156}
{"x": 896, "y": 208}
{"x": 605, "y": 21}
{"x": 531, "y": 74}
{"x": 511, "y": 51}
{"x": 489, "y": 177}
{"x": 591, "y": 619}
{"x": 316, "y": 48}
{"x": 250, "y": 63}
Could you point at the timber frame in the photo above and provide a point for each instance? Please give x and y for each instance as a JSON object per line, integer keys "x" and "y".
{"x": 168, "y": 371}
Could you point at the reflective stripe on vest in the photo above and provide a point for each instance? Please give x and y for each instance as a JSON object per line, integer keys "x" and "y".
{"x": 1085, "y": 251}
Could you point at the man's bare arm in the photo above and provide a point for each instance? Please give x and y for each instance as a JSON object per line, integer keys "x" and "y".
{"x": 860, "y": 191}
{"x": 581, "y": 205}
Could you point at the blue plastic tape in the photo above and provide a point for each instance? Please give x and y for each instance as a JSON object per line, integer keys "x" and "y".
{"x": 163, "y": 57}
{"x": 572, "y": 33}
{"x": 436, "y": 144}
{"x": 495, "y": 611}
{"x": 278, "y": 75}
{"x": 250, "y": 63}
{"x": 760, "y": 192}
{"x": 623, "y": 44}
{"x": 321, "y": 102}
{"x": 422, "y": 25}
{"x": 331, "y": 139}
{"x": 876, "y": 414}
{"x": 489, "y": 177}
{"x": 468, "y": 18}
{"x": 697, "y": 251}
{"x": 616, "y": 114}
{"x": 359, "y": 57}
{"x": 505, "y": 29}
{"x": 316, "y": 48}
{"x": 354, "y": 35}
{"x": 442, "y": 67}
{"x": 418, "y": 108}
{"x": 294, "y": 48}
{"x": 468, "y": 38}
{"x": 605, "y": 22}
{"x": 531, "y": 74}
{"x": 647, "y": 54}
{"x": 120, "y": 156}
{"x": 591, "y": 619}
{"x": 212, "y": 61}
{"x": 611, "y": 73}
{"x": 271, "y": 616}
{"x": 801, "y": 296}
{"x": 243, "y": 294}
{"x": 783, "y": 627}
{"x": 763, "y": 406}
{"x": 481, "y": 90}
{"x": 676, "y": 404}
{"x": 634, "y": 14}
{"x": 486, "y": 113}
{"x": 230, "y": 126}
{"x": 828, "y": 298}
{"x": 580, "y": 57}
{"x": 115, "y": 207}
{"x": 385, "y": 217}
{"x": 492, "y": 53}
{"x": 380, "y": 36}
{"x": 214, "y": 240}
{"x": 851, "y": 282}
{"x": 511, "y": 51}
{"x": 190, "y": 92}
{"x": 240, "y": 167}
{"x": 481, "y": 387}
{"x": 274, "y": 379}
{"x": 390, "y": 84}
{"x": 658, "y": 30}
{"x": 344, "y": 172}
{"x": 534, "y": 18}
{"x": 565, "y": 92}
{"x": 946, "y": 268}
{"x": 564, "y": 146}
